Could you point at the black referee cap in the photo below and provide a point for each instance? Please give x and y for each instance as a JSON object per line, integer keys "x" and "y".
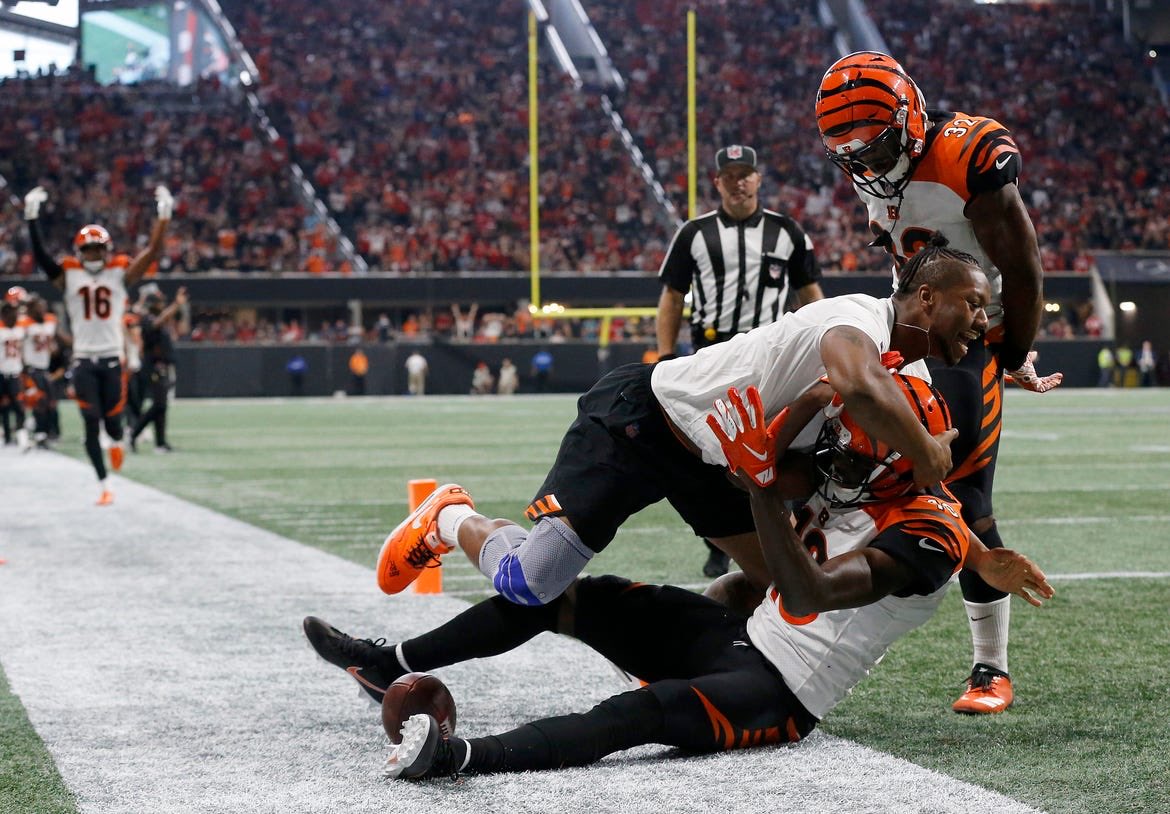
{"x": 735, "y": 154}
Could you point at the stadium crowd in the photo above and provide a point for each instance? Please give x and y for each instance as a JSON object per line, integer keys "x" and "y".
{"x": 100, "y": 150}
{"x": 1088, "y": 108}
{"x": 411, "y": 122}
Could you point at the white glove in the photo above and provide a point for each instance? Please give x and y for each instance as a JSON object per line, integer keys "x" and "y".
{"x": 1026, "y": 376}
{"x": 166, "y": 202}
{"x": 32, "y": 202}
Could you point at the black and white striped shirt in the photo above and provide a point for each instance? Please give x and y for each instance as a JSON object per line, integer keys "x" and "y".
{"x": 739, "y": 272}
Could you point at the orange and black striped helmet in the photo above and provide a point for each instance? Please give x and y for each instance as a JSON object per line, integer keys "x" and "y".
{"x": 872, "y": 119}
{"x": 92, "y": 235}
{"x": 857, "y": 468}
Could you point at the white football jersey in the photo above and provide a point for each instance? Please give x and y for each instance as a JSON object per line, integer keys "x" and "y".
{"x": 96, "y": 304}
{"x": 38, "y": 341}
{"x": 964, "y": 156}
{"x": 822, "y": 656}
{"x": 11, "y": 350}
{"x": 783, "y": 360}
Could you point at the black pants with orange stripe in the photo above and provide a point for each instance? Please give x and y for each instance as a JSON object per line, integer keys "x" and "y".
{"x": 973, "y": 390}
{"x": 100, "y": 388}
{"x": 709, "y": 689}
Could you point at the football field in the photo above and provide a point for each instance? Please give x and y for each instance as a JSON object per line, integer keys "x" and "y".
{"x": 254, "y": 518}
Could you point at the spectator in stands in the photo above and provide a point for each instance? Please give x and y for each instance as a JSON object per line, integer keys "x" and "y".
{"x": 359, "y": 368}
{"x": 1146, "y": 363}
{"x": 481, "y": 379}
{"x": 297, "y": 367}
{"x": 1106, "y": 364}
{"x": 509, "y": 380}
{"x": 416, "y": 374}
{"x": 542, "y": 366}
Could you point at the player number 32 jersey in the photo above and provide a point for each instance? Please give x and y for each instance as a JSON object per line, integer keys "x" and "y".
{"x": 823, "y": 656}
{"x": 964, "y": 156}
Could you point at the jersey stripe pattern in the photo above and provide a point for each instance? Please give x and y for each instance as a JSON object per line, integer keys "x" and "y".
{"x": 965, "y": 156}
{"x": 739, "y": 272}
{"x": 822, "y": 656}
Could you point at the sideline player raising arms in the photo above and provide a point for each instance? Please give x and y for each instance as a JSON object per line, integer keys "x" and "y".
{"x": 94, "y": 284}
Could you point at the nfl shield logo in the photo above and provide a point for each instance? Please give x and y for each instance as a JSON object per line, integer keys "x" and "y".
{"x": 892, "y": 212}
{"x": 735, "y": 152}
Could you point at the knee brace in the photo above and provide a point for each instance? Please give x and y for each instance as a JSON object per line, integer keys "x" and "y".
{"x": 533, "y": 568}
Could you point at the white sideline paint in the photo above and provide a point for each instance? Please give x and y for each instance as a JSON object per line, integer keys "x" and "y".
{"x": 156, "y": 647}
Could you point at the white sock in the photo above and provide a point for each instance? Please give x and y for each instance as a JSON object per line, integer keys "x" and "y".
{"x": 990, "y": 624}
{"x": 105, "y": 484}
{"x": 398, "y": 654}
{"x": 450, "y": 519}
{"x": 467, "y": 756}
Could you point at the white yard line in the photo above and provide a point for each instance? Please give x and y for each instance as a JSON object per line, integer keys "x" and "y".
{"x": 156, "y": 647}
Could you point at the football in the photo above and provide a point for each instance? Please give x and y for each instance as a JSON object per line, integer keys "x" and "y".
{"x": 414, "y": 694}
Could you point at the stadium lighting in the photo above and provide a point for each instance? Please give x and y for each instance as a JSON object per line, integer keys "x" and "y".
{"x": 245, "y": 79}
{"x": 1128, "y": 307}
{"x": 1052, "y": 307}
{"x": 1152, "y": 53}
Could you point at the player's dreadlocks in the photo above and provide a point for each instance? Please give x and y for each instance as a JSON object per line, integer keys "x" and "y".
{"x": 931, "y": 264}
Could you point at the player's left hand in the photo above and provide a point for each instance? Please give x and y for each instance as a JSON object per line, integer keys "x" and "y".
{"x": 748, "y": 444}
{"x": 1011, "y": 572}
{"x": 166, "y": 202}
{"x": 1027, "y": 378}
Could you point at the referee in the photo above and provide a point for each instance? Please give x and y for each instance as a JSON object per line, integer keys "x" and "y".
{"x": 739, "y": 262}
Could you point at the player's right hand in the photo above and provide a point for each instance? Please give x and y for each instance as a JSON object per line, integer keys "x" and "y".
{"x": 32, "y": 202}
{"x": 748, "y": 443}
{"x": 932, "y": 471}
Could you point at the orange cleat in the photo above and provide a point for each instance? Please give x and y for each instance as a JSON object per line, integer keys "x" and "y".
{"x": 116, "y": 456}
{"x": 107, "y": 498}
{"x": 988, "y": 691}
{"x": 415, "y": 544}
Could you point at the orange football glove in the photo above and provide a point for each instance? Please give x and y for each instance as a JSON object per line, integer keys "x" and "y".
{"x": 892, "y": 360}
{"x": 1027, "y": 378}
{"x": 747, "y": 443}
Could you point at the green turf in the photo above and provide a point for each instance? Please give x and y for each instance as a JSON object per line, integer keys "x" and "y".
{"x": 1082, "y": 486}
{"x": 29, "y": 781}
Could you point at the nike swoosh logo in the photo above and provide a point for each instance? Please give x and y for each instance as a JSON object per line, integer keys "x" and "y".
{"x": 979, "y": 618}
{"x": 759, "y": 456}
{"x": 999, "y": 165}
{"x": 353, "y": 671}
{"x": 925, "y": 542}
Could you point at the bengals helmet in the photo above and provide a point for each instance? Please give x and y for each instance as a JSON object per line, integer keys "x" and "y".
{"x": 857, "y": 468}
{"x": 872, "y": 119}
{"x": 92, "y": 235}
{"x": 17, "y": 295}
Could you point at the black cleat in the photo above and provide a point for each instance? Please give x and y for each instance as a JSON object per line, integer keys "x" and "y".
{"x": 366, "y": 660}
{"x": 717, "y": 563}
{"x": 423, "y": 753}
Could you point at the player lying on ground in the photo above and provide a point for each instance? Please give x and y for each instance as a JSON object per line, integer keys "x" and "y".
{"x": 868, "y": 559}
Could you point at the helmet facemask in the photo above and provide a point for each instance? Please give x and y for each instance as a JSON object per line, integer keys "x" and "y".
{"x": 851, "y": 477}
{"x": 855, "y": 468}
{"x": 872, "y": 118}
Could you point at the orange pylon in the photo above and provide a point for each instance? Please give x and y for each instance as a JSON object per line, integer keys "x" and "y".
{"x": 430, "y": 581}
